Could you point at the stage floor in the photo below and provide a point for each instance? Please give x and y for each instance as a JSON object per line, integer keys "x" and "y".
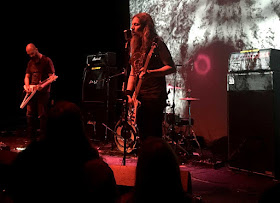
{"x": 210, "y": 184}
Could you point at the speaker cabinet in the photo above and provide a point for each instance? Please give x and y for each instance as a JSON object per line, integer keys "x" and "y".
{"x": 98, "y": 86}
{"x": 253, "y": 122}
{"x": 99, "y": 100}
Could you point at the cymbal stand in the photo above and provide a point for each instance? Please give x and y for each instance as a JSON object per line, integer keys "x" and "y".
{"x": 190, "y": 134}
{"x": 107, "y": 80}
{"x": 173, "y": 137}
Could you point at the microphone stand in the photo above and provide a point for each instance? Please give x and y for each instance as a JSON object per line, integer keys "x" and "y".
{"x": 125, "y": 129}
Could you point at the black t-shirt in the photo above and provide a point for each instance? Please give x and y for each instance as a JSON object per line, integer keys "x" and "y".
{"x": 40, "y": 70}
{"x": 152, "y": 88}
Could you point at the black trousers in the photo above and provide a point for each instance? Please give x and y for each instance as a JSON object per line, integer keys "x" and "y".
{"x": 149, "y": 119}
{"x": 37, "y": 109}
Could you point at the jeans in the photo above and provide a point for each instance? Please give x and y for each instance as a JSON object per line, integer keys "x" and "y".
{"x": 149, "y": 119}
{"x": 36, "y": 109}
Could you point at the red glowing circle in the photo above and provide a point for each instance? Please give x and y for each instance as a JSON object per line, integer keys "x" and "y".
{"x": 202, "y": 64}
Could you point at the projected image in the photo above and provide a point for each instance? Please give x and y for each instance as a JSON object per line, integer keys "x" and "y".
{"x": 200, "y": 35}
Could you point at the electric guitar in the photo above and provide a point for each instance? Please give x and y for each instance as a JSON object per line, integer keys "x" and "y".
{"x": 35, "y": 88}
{"x": 132, "y": 111}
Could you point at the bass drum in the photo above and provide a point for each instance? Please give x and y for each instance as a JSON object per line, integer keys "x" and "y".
{"x": 131, "y": 136}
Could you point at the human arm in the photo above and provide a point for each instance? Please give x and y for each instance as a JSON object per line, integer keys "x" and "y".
{"x": 50, "y": 71}
{"x": 27, "y": 82}
{"x": 131, "y": 84}
{"x": 168, "y": 63}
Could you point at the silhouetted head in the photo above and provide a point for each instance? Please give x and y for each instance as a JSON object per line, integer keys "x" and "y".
{"x": 65, "y": 131}
{"x": 158, "y": 172}
{"x": 64, "y": 121}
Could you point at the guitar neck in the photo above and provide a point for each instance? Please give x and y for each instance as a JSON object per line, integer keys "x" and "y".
{"x": 45, "y": 83}
{"x": 48, "y": 81}
{"x": 137, "y": 89}
{"x": 138, "y": 86}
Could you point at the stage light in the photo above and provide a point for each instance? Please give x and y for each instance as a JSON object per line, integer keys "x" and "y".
{"x": 202, "y": 64}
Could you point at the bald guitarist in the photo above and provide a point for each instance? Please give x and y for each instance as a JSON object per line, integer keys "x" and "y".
{"x": 38, "y": 69}
{"x": 149, "y": 69}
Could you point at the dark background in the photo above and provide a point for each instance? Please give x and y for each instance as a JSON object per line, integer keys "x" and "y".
{"x": 66, "y": 33}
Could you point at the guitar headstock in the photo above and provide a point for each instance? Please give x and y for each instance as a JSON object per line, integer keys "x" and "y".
{"x": 153, "y": 47}
{"x": 155, "y": 42}
{"x": 53, "y": 77}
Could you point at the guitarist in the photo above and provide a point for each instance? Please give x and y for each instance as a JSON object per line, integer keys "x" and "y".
{"x": 152, "y": 94}
{"x": 38, "y": 69}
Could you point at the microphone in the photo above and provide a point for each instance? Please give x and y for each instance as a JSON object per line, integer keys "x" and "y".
{"x": 127, "y": 34}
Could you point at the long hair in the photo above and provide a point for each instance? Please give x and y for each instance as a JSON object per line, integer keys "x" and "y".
{"x": 144, "y": 43}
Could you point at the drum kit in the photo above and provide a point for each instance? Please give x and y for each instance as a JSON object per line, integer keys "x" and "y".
{"x": 179, "y": 131}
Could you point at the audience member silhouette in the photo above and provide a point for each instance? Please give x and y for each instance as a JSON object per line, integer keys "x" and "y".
{"x": 62, "y": 166}
{"x": 271, "y": 194}
{"x": 157, "y": 174}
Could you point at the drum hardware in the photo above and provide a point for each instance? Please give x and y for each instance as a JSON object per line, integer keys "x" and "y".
{"x": 170, "y": 121}
{"x": 190, "y": 99}
{"x": 180, "y": 131}
{"x": 169, "y": 86}
{"x": 190, "y": 134}
{"x": 108, "y": 128}
{"x": 108, "y": 95}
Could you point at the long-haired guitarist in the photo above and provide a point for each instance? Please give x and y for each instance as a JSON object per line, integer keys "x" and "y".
{"x": 38, "y": 69}
{"x": 150, "y": 60}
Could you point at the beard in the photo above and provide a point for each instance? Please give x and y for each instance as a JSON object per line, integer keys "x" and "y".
{"x": 135, "y": 43}
{"x": 35, "y": 58}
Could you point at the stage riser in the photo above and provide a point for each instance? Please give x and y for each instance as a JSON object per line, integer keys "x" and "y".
{"x": 125, "y": 176}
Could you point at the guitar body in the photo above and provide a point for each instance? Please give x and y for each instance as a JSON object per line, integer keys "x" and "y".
{"x": 34, "y": 88}
{"x": 27, "y": 97}
{"x": 131, "y": 136}
{"x": 132, "y": 111}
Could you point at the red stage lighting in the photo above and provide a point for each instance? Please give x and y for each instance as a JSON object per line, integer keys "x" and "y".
{"x": 202, "y": 64}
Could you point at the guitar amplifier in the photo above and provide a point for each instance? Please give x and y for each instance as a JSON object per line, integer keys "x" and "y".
{"x": 102, "y": 59}
{"x": 96, "y": 83}
{"x": 253, "y": 121}
{"x": 99, "y": 99}
{"x": 252, "y": 81}
{"x": 255, "y": 60}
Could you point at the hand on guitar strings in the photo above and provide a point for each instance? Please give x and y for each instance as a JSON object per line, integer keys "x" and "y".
{"x": 144, "y": 74}
{"x": 129, "y": 100}
{"x": 27, "y": 88}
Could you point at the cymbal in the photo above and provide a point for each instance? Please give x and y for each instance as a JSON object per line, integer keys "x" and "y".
{"x": 171, "y": 87}
{"x": 190, "y": 99}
